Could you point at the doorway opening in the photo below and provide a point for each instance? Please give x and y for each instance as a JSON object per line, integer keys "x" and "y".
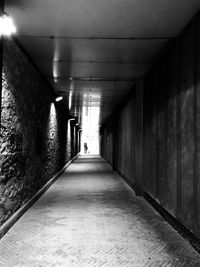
{"x": 90, "y": 131}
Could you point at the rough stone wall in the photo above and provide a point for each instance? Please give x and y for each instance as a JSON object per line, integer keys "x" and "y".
{"x": 35, "y": 139}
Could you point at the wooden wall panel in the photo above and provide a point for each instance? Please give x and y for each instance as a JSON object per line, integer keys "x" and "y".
{"x": 133, "y": 139}
{"x": 145, "y": 134}
{"x": 171, "y": 132}
{"x": 186, "y": 212}
{"x": 115, "y": 141}
{"x": 161, "y": 133}
{"x": 128, "y": 142}
{"x": 154, "y": 133}
{"x": 125, "y": 128}
{"x": 138, "y": 127}
{"x": 149, "y": 170}
{"x": 121, "y": 149}
{"x": 123, "y": 142}
{"x": 197, "y": 184}
{"x": 110, "y": 134}
{"x": 167, "y": 158}
{"x": 119, "y": 144}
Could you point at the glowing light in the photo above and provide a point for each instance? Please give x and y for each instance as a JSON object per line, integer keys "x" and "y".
{"x": 53, "y": 110}
{"x": 55, "y": 71}
{"x": 59, "y": 98}
{"x": 7, "y": 26}
{"x": 69, "y": 137}
{"x": 52, "y": 127}
{"x": 56, "y": 58}
{"x": 70, "y": 99}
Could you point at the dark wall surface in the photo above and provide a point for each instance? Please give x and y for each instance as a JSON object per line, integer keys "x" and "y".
{"x": 122, "y": 138}
{"x": 171, "y": 130}
{"x": 35, "y": 133}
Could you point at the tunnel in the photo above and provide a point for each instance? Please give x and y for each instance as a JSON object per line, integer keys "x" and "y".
{"x": 99, "y": 133}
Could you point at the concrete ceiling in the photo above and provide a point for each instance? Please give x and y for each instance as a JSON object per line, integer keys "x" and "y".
{"x": 91, "y": 51}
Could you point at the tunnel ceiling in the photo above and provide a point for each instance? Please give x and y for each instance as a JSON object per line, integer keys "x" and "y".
{"x": 91, "y": 51}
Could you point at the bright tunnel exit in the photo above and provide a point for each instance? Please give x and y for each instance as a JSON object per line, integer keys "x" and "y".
{"x": 90, "y": 133}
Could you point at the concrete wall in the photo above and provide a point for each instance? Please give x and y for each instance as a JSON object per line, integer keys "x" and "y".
{"x": 35, "y": 133}
{"x": 171, "y": 130}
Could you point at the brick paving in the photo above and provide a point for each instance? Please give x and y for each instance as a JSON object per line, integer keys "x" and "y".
{"x": 91, "y": 217}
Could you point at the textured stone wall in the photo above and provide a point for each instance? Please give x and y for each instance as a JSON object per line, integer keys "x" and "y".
{"x": 35, "y": 134}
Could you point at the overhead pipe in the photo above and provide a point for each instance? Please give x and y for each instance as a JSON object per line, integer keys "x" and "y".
{"x": 92, "y": 38}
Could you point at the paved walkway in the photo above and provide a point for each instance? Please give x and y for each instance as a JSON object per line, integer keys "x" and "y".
{"x": 90, "y": 217}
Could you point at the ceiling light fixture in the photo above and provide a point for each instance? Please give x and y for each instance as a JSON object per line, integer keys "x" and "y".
{"x": 59, "y": 98}
{"x": 7, "y": 26}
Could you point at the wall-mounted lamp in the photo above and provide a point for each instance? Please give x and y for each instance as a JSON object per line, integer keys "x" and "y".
{"x": 59, "y": 98}
{"x": 7, "y": 26}
{"x": 77, "y": 124}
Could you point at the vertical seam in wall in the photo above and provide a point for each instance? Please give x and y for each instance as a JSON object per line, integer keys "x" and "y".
{"x": 133, "y": 171}
{"x": 113, "y": 143}
{"x": 139, "y": 131}
{"x": 142, "y": 127}
{"x": 143, "y": 137}
{"x": 117, "y": 143}
{"x": 195, "y": 57}
{"x": 156, "y": 135}
{"x": 178, "y": 128}
{"x": 166, "y": 75}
